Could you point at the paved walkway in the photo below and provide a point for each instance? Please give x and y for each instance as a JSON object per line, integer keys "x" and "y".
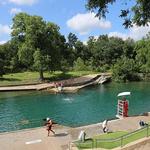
{"x": 36, "y": 139}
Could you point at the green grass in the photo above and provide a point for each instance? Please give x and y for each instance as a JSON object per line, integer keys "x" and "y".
{"x": 133, "y": 137}
{"x": 109, "y": 144}
{"x": 112, "y": 140}
{"x": 101, "y": 144}
{"x": 33, "y": 77}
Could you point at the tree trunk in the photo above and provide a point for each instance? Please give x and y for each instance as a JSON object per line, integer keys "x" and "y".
{"x": 41, "y": 75}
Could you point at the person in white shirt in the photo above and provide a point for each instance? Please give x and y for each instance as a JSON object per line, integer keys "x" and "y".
{"x": 104, "y": 125}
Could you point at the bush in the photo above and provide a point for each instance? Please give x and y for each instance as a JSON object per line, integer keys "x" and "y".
{"x": 79, "y": 65}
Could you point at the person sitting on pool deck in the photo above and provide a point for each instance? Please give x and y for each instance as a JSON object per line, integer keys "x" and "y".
{"x": 142, "y": 123}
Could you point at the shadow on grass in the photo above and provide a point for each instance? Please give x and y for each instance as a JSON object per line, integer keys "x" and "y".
{"x": 88, "y": 143}
{"x": 9, "y": 79}
{"x": 61, "y": 76}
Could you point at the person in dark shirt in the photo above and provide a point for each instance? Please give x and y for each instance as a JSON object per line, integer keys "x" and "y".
{"x": 49, "y": 124}
{"x": 142, "y": 123}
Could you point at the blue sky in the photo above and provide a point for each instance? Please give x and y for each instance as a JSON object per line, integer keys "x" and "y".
{"x": 71, "y": 16}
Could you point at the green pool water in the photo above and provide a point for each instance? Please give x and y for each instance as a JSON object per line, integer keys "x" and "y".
{"x": 20, "y": 110}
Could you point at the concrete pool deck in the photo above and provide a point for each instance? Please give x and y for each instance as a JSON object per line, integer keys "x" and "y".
{"x": 36, "y": 139}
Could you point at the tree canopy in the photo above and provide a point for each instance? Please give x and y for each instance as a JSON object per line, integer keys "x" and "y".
{"x": 39, "y": 42}
{"x": 138, "y": 14}
{"x": 37, "y": 45}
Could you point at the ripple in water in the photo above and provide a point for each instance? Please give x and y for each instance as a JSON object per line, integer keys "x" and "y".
{"x": 68, "y": 99}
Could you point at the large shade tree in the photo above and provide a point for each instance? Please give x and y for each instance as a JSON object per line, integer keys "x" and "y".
{"x": 39, "y": 42}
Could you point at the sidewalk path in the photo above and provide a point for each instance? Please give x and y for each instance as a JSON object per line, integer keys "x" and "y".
{"x": 36, "y": 139}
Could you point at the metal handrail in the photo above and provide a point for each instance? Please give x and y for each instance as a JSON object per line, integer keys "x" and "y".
{"x": 121, "y": 138}
{"x": 126, "y": 135}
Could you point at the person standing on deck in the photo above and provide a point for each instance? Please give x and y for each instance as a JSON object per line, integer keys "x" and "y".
{"x": 105, "y": 127}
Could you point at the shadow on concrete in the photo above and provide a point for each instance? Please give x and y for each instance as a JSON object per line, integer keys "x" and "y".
{"x": 61, "y": 134}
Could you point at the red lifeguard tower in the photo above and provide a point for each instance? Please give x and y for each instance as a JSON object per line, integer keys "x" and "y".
{"x": 123, "y": 104}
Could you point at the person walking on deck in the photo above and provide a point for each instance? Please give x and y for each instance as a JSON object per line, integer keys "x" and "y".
{"x": 49, "y": 126}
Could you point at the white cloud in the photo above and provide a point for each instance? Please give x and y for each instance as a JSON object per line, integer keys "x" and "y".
{"x": 118, "y": 34}
{"x": 23, "y": 2}
{"x": 15, "y": 11}
{"x": 85, "y": 42}
{"x": 2, "y": 42}
{"x": 139, "y": 32}
{"x": 84, "y": 23}
{"x": 4, "y": 29}
{"x": 135, "y": 33}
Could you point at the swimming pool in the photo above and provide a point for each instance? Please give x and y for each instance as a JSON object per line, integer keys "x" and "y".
{"x": 20, "y": 110}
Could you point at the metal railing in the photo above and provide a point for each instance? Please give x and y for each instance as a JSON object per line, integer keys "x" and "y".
{"x": 89, "y": 144}
{"x": 115, "y": 142}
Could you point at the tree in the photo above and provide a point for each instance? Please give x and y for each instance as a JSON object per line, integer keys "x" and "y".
{"x": 142, "y": 49}
{"x": 72, "y": 39}
{"x": 124, "y": 70}
{"x": 2, "y": 61}
{"x": 138, "y": 14}
{"x": 38, "y": 62}
{"x": 25, "y": 55}
{"x": 105, "y": 51}
{"x": 128, "y": 48}
{"x": 37, "y": 39}
{"x": 69, "y": 51}
{"x": 79, "y": 65}
{"x": 55, "y": 46}
{"x": 81, "y": 51}
{"x": 29, "y": 32}
{"x": 8, "y": 56}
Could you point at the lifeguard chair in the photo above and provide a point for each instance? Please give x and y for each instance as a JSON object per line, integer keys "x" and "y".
{"x": 123, "y": 104}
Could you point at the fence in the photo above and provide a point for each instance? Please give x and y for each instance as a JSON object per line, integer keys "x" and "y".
{"x": 116, "y": 142}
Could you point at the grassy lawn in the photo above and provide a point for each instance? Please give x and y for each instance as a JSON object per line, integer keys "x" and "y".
{"x": 112, "y": 140}
{"x": 133, "y": 137}
{"x": 33, "y": 77}
{"x": 102, "y": 144}
{"x": 109, "y": 144}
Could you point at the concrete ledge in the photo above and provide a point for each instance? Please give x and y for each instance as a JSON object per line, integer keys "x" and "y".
{"x": 139, "y": 144}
